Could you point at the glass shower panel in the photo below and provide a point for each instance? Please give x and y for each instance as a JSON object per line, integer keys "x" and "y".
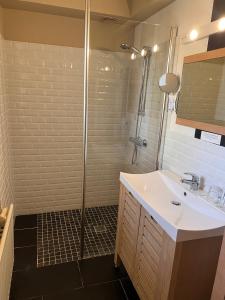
{"x": 115, "y": 80}
{"x": 142, "y": 159}
{"x": 44, "y": 92}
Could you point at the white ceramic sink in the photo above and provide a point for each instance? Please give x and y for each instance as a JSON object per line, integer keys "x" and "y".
{"x": 194, "y": 218}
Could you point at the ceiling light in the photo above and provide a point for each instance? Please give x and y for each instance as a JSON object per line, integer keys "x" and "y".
{"x": 155, "y": 48}
{"x": 133, "y": 56}
{"x": 193, "y": 35}
{"x": 221, "y": 24}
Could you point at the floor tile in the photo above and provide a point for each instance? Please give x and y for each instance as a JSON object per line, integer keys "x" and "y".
{"x": 100, "y": 269}
{"x": 107, "y": 291}
{"x": 25, "y": 237}
{"x": 28, "y": 221}
{"x": 61, "y": 231}
{"x": 37, "y": 282}
{"x": 129, "y": 289}
{"x": 25, "y": 258}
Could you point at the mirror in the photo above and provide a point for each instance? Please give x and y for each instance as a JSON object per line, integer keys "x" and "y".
{"x": 202, "y": 97}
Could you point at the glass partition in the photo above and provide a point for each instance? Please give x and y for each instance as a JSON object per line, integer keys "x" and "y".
{"x": 125, "y": 63}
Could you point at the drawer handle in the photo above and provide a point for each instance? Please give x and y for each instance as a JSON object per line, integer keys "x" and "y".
{"x": 154, "y": 220}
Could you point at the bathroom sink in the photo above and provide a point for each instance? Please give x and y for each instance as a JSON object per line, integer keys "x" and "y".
{"x": 183, "y": 214}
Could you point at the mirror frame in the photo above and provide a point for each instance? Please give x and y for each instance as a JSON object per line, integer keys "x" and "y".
{"x": 218, "y": 53}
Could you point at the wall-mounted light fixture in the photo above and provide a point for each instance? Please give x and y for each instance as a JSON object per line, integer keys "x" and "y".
{"x": 221, "y": 24}
{"x": 193, "y": 35}
{"x": 133, "y": 56}
{"x": 155, "y": 48}
{"x": 205, "y": 31}
{"x": 144, "y": 52}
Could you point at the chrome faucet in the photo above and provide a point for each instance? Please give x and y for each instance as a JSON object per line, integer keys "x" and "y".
{"x": 194, "y": 182}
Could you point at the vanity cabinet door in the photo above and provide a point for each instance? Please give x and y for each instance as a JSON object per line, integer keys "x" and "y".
{"x": 219, "y": 284}
{"x": 154, "y": 260}
{"x": 128, "y": 223}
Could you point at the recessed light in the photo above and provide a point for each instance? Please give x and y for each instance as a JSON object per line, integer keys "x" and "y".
{"x": 193, "y": 35}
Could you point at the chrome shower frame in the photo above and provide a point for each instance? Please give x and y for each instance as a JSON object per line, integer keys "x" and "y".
{"x": 85, "y": 118}
{"x": 164, "y": 110}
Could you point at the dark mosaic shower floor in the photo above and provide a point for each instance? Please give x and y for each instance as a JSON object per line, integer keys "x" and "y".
{"x": 58, "y": 234}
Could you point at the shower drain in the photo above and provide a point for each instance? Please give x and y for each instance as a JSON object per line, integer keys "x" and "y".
{"x": 100, "y": 228}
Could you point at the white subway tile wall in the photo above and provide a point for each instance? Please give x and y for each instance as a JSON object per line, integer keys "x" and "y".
{"x": 183, "y": 155}
{"x": 108, "y": 88}
{"x": 6, "y": 194}
{"x": 147, "y": 156}
{"x": 44, "y": 86}
{"x": 182, "y": 151}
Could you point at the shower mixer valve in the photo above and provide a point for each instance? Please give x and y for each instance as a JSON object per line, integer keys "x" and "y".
{"x": 138, "y": 141}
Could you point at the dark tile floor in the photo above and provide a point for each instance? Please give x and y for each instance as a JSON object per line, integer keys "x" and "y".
{"x": 58, "y": 234}
{"x": 93, "y": 278}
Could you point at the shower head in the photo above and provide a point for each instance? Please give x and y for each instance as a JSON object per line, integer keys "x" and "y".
{"x": 125, "y": 46}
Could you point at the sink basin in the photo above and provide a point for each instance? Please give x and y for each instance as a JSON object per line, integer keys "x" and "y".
{"x": 183, "y": 214}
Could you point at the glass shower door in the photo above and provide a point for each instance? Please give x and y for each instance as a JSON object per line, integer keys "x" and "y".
{"x": 115, "y": 81}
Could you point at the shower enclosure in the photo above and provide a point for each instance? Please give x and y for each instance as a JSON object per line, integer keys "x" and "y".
{"x": 122, "y": 118}
{"x": 77, "y": 117}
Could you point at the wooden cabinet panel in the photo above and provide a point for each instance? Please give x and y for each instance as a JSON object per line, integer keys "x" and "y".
{"x": 219, "y": 285}
{"x": 160, "y": 268}
{"x": 127, "y": 231}
{"x": 150, "y": 279}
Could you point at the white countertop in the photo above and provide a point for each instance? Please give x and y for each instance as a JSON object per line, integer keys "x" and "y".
{"x": 194, "y": 218}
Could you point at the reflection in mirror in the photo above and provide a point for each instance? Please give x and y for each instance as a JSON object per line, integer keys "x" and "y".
{"x": 202, "y": 95}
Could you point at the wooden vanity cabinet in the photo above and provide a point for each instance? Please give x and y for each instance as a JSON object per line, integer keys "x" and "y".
{"x": 127, "y": 230}
{"x": 154, "y": 259}
{"x": 219, "y": 284}
{"x": 160, "y": 268}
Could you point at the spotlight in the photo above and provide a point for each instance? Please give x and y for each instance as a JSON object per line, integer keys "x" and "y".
{"x": 221, "y": 24}
{"x": 193, "y": 35}
{"x": 133, "y": 56}
{"x": 144, "y": 52}
{"x": 155, "y": 48}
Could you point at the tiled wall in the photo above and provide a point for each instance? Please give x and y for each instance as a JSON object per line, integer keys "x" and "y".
{"x": 146, "y": 159}
{"x": 44, "y": 86}
{"x": 45, "y": 113}
{"x": 182, "y": 152}
{"x": 6, "y": 194}
{"x": 108, "y": 87}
